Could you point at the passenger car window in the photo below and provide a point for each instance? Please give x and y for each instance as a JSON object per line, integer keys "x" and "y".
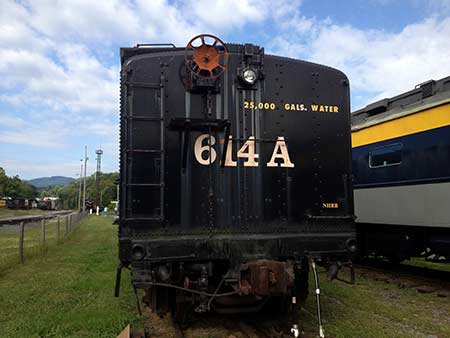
{"x": 386, "y": 156}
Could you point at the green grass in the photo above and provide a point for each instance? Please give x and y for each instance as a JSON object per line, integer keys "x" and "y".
{"x": 421, "y": 262}
{"x": 376, "y": 309}
{"x": 33, "y": 245}
{"x": 69, "y": 291}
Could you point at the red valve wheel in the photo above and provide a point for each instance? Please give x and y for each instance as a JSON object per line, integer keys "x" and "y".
{"x": 206, "y": 56}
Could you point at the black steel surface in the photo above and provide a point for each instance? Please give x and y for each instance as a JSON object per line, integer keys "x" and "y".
{"x": 165, "y": 193}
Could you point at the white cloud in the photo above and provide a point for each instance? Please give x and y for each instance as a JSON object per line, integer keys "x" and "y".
{"x": 59, "y": 73}
{"x": 106, "y": 22}
{"x": 52, "y": 61}
{"x": 379, "y": 64}
{"x": 384, "y": 64}
{"x": 42, "y": 168}
{"x": 48, "y": 133}
{"x": 226, "y": 13}
{"x": 10, "y": 121}
{"x": 81, "y": 82}
{"x": 83, "y": 20}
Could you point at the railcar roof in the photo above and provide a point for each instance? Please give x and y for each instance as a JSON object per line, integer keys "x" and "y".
{"x": 141, "y": 49}
{"x": 424, "y": 96}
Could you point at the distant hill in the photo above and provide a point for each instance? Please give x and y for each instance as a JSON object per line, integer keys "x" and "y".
{"x": 43, "y": 182}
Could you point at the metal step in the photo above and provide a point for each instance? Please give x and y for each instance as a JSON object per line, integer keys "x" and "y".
{"x": 143, "y": 84}
{"x": 159, "y": 219}
{"x": 155, "y": 151}
{"x": 157, "y": 117}
{"x": 145, "y": 185}
{"x": 143, "y": 118}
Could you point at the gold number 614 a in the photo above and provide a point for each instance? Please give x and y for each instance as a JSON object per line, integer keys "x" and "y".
{"x": 205, "y": 153}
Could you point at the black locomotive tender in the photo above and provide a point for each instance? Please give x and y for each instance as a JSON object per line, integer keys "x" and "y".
{"x": 235, "y": 170}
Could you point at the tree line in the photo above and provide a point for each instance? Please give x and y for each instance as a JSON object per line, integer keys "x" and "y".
{"x": 15, "y": 187}
{"x": 68, "y": 194}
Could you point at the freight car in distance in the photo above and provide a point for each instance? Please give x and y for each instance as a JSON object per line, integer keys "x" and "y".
{"x": 18, "y": 203}
{"x": 401, "y": 163}
{"x": 235, "y": 171}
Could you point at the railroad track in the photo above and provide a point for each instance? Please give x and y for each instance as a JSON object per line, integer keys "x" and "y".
{"x": 235, "y": 326}
{"x": 253, "y": 327}
{"x": 242, "y": 328}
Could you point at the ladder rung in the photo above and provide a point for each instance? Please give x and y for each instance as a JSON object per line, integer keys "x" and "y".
{"x": 144, "y": 118}
{"x": 144, "y": 185}
{"x": 155, "y": 118}
{"x": 143, "y": 219}
{"x": 144, "y": 151}
{"x": 144, "y": 84}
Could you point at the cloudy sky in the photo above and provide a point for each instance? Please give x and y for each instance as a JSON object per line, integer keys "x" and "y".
{"x": 59, "y": 63}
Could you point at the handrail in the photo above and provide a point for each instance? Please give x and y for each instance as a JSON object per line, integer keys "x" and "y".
{"x": 155, "y": 45}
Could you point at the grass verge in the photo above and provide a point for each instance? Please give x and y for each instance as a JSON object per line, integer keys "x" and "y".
{"x": 69, "y": 291}
{"x": 421, "y": 262}
{"x": 33, "y": 245}
{"x": 375, "y": 309}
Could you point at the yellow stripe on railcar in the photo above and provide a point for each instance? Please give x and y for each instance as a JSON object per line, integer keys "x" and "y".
{"x": 427, "y": 119}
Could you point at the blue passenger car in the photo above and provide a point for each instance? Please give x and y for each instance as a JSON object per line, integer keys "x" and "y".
{"x": 401, "y": 165}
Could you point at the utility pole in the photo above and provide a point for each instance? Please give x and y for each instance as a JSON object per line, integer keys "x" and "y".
{"x": 84, "y": 180}
{"x": 79, "y": 190}
{"x": 99, "y": 153}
